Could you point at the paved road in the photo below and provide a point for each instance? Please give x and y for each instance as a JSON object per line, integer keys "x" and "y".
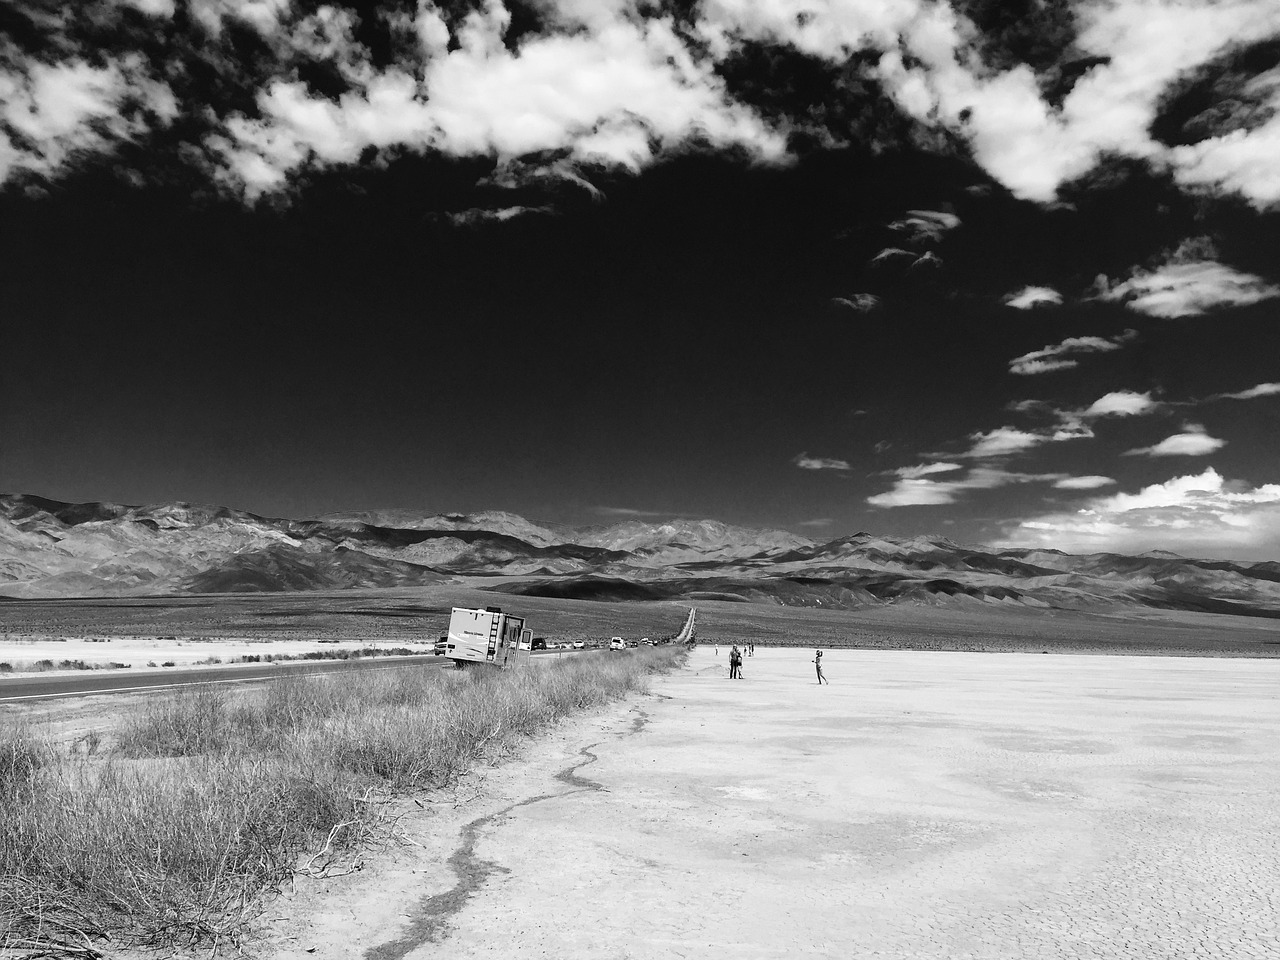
{"x": 26, "y": 689}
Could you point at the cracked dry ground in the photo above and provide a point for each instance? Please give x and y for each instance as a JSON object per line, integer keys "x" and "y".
{"x": 924, "y": 805}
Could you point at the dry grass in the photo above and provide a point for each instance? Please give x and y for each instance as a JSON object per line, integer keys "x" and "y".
{"x": 209, "y": 799}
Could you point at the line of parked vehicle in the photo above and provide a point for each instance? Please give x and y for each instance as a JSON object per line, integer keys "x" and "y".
{"x": 542, "y": 643}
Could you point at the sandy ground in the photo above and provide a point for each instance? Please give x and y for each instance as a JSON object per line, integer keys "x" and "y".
{"x": 923, "y": 805}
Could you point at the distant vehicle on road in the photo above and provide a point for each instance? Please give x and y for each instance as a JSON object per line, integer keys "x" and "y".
{"x": 579, "y": 644}
{"x": 632, "y": 643}
{"x": 617, "y": 643}
{"x": 539, "y": 643}
{"x": 442, "y": 646}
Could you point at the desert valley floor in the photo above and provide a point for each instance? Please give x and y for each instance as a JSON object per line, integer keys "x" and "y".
{"x": 976, "y": 782}
{"x": 925, "y": 805}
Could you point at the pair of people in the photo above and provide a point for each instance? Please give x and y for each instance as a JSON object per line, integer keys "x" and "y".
{"x": 735, "y": 663}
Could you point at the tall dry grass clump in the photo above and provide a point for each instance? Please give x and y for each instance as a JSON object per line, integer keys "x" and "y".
{"x": 209, "y": 799}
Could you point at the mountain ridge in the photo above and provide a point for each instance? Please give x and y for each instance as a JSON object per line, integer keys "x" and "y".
{"x": 51, "y": 548}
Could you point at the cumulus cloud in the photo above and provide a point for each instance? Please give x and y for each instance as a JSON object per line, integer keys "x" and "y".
{"x": 1193, "y": 441}
{"x": 1049, "y": 358}
{"x": 618, "y": 83}
{"x": 1029, "y": 297}
{"x": 52, "y": 113}
{"x": 806, "y": 462}
{"x": 618, "y": 95}
{"x": 1188, "y": 514}
{"x": 1261, "y": 390}
{"x": 920, "y": 491}
{"x": 1239, "y": 160}
{"x": 1187, "y": 289}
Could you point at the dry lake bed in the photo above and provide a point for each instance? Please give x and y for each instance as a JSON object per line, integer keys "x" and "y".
{"x": 924, "y": 805}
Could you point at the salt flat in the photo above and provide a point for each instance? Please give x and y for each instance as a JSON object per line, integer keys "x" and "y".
{"x": 923, "y": 805}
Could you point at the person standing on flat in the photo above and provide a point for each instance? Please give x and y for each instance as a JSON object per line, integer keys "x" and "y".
{"x": 817, "y": 662}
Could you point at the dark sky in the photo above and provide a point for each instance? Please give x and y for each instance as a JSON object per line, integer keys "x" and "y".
{"x": 589, "y": 261}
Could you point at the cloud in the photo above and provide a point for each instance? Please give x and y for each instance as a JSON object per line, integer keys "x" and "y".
{"x": 1048, "y": 359}
{"x": 1194, "y": 441}
{"x": 1002, "y": 441}
{"x": 51, "y": 114}
{"x": 1029, "y": 297}
{"x": 623, "y": 84}
{"x": 1261, "y": 390}
{"x": 629, "y": 512}
{"x": 1195, "y": 513}
{"x": 1083, "y": 483}
{"x": 1187, "y": 289}
{"x": 619, "y": 94}
{"x": 1239, "y": 160}
{"x": 925, "y": 226}
{"x": 820, "y": 522}
{"x": 924, "y": 469}
{"x": 478, "y": 216}
{"x": 859, "y": 302}
{"x": 919, "y": 491}
{"x": 806, "y": 462}
{"x": 1121, "y": 403}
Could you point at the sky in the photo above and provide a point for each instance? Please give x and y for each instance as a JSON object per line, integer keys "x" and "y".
{"x": 1006, "y": 271}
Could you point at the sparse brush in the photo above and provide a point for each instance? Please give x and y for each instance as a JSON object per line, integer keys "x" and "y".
{"x": 209, "y": 798}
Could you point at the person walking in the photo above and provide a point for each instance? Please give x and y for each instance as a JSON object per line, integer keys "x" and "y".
{"x": 817, "y": 662}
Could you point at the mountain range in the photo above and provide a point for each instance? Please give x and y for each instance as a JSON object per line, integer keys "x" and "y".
{"x": 52, "y": 549}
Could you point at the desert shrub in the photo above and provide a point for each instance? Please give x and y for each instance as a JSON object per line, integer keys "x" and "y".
{"x": 6, "y": 668}
{"x": 211, "y": 797}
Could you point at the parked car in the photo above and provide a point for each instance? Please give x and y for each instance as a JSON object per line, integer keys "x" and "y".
{"x": 442, "y": 645}
{"x": 579, "y": 644}
{"x": 539, "y": 643}
{"x": 617, "y": 643}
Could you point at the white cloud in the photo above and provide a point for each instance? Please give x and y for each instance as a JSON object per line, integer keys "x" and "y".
{"x": 1188, "y": 289}
{"x": 1002, "y": 441}
{"x": 1121, "y": 403}
{"x": 806, "y": 462}
{"x": 1261, "y": 390}
{"x": 918, "y": 491}
{"x": 924, "y": 469}
{"x": 921, "y": 226}
{"x": 1091, "y": 482}
{"x": 1202, "y": 513}
{"x": 1193, "y": 441}
{"x": 1029, "y": 297}
{"x": 56, "y": 112}
{"x": 818, "y": 522}
{"x": 621, "y": 94}
{"x": 1047, "y": 359}
{"x": 1242, "y": 160}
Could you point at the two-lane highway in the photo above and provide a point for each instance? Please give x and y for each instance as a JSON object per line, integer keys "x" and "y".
{"x": 95, "y": 682}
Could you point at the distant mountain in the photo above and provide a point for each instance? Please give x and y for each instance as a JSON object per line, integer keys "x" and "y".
{"x": 53, "y": 549}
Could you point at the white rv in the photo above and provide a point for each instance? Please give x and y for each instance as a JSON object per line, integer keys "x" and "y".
{"x": 487, "y": 636}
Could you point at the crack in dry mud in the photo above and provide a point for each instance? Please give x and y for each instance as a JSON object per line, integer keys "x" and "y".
{"x": 433, "y": 914}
